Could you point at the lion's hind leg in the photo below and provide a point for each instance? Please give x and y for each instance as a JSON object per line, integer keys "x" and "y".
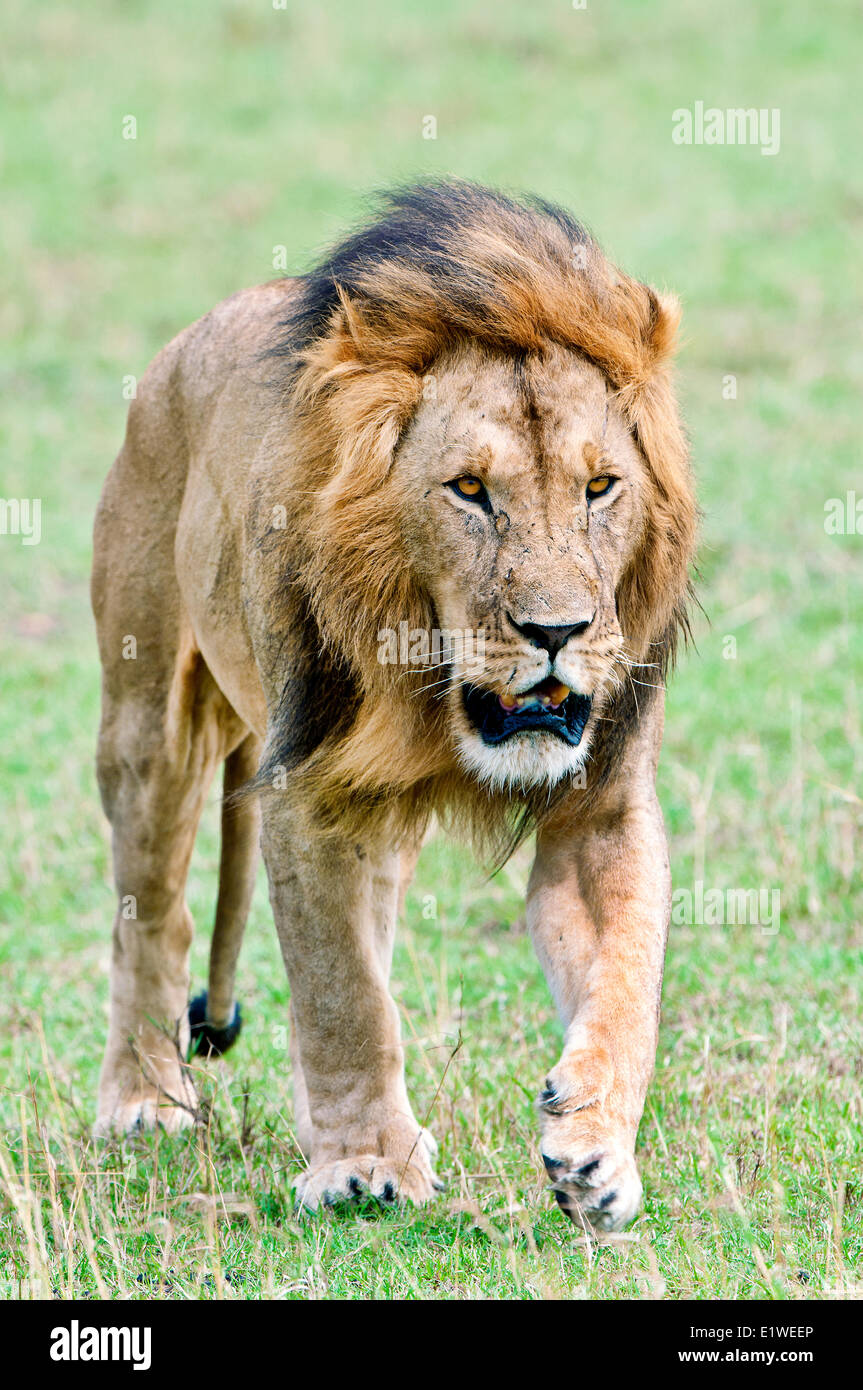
{"x": 166, "y": 727}
{"x": 156, "y": 760}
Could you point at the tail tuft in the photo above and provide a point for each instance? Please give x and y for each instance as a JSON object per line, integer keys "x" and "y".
{"x": 206, "y": 1039}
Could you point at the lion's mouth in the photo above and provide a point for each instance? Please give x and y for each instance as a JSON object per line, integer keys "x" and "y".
{"x": 549, "y": 707}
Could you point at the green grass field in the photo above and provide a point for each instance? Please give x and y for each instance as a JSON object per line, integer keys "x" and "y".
{"x": 259, "y": 128}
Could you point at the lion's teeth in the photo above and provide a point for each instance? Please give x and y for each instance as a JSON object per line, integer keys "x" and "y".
{"x": 550, "y": 698}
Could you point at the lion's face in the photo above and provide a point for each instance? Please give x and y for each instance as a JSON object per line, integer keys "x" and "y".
{"x": 521, "y": 493}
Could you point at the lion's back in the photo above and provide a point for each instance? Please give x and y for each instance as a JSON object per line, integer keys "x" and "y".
{"x": 195, "y": 396}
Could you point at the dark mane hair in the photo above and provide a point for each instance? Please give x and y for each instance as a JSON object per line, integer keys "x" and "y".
{"x": 422, "y": 227}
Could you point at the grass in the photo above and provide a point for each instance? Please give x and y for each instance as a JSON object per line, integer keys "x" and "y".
{"x": 259, "y": 128}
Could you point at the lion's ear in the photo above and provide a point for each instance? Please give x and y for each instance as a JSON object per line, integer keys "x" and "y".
{"x": 665, "y": 321}
{"x": 342, "y": 347}
{"x": 361, "y": 412}
{"x": 354, "y": 403}
{"x": 349, "y": 326}
{"x": 652, "y": 596}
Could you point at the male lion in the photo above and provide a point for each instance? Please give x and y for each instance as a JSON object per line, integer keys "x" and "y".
{"x": 460, "y": 420}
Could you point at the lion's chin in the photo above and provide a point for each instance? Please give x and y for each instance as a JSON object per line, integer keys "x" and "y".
{"x": 528, "y": 760}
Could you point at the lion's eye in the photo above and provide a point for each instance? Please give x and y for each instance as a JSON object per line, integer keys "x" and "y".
{"x": 471, "y": 489}
{"x": 597, "y": 487}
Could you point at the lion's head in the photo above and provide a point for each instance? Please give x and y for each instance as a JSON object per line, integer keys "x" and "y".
{"x": 523, "y": 496}
{"x": 496, "y": 517}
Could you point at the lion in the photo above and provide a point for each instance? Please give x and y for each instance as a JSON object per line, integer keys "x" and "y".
{"x": 460, "y": 422}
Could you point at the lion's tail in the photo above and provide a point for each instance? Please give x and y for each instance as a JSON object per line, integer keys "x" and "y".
{"x": 214, "y": 1017}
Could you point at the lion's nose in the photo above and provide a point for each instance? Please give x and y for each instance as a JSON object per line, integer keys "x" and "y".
{"x": 552, "y": 638}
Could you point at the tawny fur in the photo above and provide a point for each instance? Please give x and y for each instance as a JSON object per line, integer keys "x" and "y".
{"x": 283, "y": 495}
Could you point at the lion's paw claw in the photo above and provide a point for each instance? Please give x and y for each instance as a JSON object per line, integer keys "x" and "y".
{"x": 598, "y": 1188}
{"x": 349, "y": 1180}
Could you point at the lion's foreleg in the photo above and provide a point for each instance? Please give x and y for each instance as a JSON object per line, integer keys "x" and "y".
{"x": 334, "y": 903}
{"x": 598, "y": 907}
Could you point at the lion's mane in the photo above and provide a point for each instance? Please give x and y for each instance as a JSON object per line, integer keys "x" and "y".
{"x": 441, "y": 263}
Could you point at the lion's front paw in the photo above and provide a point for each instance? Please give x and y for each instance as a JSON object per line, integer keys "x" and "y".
{"x": 403, "y": 1174}
{"x": 130, "y": 1103}
{"x": 589, "y": 1159}
{"x": 596, "y": 1183}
